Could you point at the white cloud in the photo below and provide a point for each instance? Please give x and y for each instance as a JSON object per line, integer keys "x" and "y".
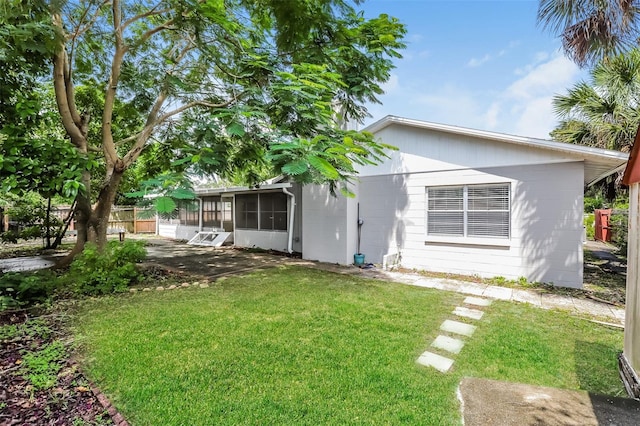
{"x": 529, "y": 100}
{"x": 521, "y": 105}
{"x": 552, "y": 76}
{"x": 475, "y": 62}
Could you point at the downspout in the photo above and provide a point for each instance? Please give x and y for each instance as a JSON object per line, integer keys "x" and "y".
{"x": 292, "y": 198}
{"x": 199, "y": 215}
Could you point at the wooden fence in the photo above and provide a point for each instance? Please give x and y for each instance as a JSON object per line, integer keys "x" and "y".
{"x": 133, "y": 220}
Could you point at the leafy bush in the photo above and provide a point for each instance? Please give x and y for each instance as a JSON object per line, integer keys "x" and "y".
{"x": 620, "y": 229}
{"x": 114, "y": 270}
{"x": 30, "y": 218}
{"x": 19, "y": 289}
{"x": 10, "y": 237}
{"x": 589, "y": 224}
{"x": 31, "y": 233}
{"x": 592, "y": 203}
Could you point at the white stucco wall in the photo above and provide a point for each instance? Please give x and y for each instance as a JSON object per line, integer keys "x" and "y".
{"x": 546, "y": 223}
{"x": 270, "y": 240}
{"x": 329, "y": 225}
{"x": 422, "y": 150}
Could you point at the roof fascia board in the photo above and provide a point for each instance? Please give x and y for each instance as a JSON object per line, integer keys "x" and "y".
{"x": 238, "y": 189}
{"x": 574, "y": 150}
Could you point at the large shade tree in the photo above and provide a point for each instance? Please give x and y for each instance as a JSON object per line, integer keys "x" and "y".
{"x": 230, "y": 84}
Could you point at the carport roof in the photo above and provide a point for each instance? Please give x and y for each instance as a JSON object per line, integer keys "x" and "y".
{"x": 598, "y": 163}
{"x": 241, "y": 189}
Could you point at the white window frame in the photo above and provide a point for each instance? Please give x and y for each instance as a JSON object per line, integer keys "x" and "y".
{"x": 464, "y": 238}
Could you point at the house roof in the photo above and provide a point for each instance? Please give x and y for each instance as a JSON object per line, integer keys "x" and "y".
{"x": 242, "y": 189}
{"x": 599, "y": 163}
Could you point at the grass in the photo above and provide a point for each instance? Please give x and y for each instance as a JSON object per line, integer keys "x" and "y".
{"x": 299, "y": 346}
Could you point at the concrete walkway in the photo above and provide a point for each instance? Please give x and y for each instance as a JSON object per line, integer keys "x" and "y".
{"x": 537, "y": 297}
{"x": 211, "y": 263}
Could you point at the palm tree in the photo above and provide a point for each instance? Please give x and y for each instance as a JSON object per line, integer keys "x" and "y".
{"x": 603, "y": 112}
{"x": 592, "y": 29}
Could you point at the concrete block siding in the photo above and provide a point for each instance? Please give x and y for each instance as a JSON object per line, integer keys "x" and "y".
{"x": 329, "y": 225}
{"x": 546, "y": 224}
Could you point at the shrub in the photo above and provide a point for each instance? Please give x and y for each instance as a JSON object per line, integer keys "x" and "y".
{"x": 20, "y": 289}
{"x": 620, "y": 226}
{"x": 31, "y": 233}
{"x": 9, "y": 237}
{"x": 589, "y": 224}
{"x": 114, "y": 270}
{"x": 592, "y": 203}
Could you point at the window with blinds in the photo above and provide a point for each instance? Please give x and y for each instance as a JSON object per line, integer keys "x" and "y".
{"x": 481, "y": 211}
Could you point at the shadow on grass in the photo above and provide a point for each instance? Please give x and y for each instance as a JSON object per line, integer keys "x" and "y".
{"x": 596, "y": 368}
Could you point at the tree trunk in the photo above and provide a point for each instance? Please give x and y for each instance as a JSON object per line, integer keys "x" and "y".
{"x": 47, "y": 224}
{"x": 83, "y": 217}
{"x": 100, "y": 218}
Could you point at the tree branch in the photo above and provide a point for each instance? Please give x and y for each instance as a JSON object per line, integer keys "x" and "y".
{"x": 150, "y": 12}
{"x": 110, "y": 153}
{"x": 78, "y": 139}
{"x": 145, "y": 36}
{"x": 145, "y": 134}
{"x": 193, "y": 104}
{"x": 80, "y": 31}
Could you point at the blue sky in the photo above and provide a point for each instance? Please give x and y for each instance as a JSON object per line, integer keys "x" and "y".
{"x": 481, "y": 64}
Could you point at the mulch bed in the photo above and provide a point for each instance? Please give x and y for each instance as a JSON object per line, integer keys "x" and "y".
{"x": 70, "y": 401}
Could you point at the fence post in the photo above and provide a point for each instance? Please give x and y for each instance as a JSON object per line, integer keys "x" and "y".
{"x": 135, "y": 220}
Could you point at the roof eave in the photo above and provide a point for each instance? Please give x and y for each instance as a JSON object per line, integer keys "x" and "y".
{"x": 570, "y": 149}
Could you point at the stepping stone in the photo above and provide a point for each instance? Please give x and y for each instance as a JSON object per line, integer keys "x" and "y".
{"x": 461, "y": 311}
{"x": 448, "y": 344}
{"x": 478, "y": 301}
{"x": 458, "y": 328}
{"x": 439, "y": 362}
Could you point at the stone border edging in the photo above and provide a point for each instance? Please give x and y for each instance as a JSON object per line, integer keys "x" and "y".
{"x": 117, "y": 418}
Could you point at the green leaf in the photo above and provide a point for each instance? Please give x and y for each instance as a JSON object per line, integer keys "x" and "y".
{"x": 165, "y": 204}
{"x": 284, "y": 146}
{"x": 136, "y": 194}
{"x": 295, "y": 168}
{"x": 181, "y": 161}
{"x": 324, "y": 167}
{"x": 347, "y": 192}
{"x": 236, "y": 129}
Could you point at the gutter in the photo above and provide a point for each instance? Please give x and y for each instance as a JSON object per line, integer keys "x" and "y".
{"x": 292, "y": 198}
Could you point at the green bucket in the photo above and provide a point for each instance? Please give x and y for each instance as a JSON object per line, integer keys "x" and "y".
{"x": 358, "y": 259}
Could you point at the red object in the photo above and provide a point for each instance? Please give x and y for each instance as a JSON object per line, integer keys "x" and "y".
{"x": 603, "y": 230}
{"x": 632, "y": 171}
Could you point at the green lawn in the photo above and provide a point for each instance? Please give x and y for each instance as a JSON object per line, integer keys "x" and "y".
{"x": 300, "y": 346}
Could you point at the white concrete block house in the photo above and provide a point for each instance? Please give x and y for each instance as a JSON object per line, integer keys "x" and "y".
{"x": 451, "y": 199}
